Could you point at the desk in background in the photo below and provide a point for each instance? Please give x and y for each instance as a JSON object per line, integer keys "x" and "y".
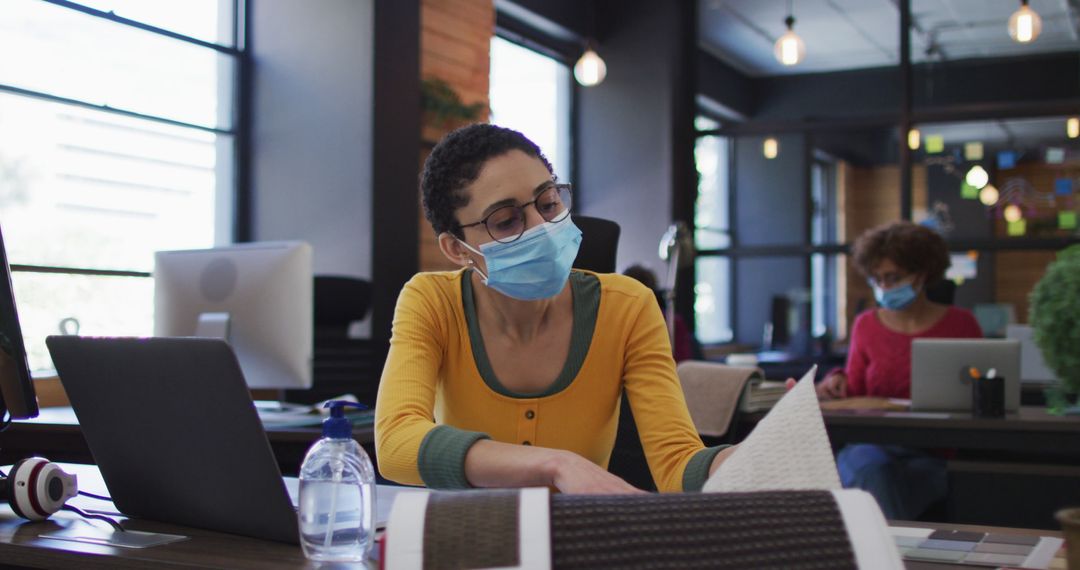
{"x": 1014, "y": 471}
{"x": 55, "y": 434}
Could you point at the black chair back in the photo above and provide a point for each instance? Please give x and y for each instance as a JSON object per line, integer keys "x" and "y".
{"x": 599, "y": 244}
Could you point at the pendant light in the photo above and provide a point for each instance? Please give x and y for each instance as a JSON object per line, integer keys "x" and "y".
{"x": 914, "y": 139}
{"x": 590, "y": 69}
{"x": 1072, "y": 127}
{"x": 790, "y": 49}
{"x": 977, "y": 177}
{"x": 770, "y": 148}
{"x": 1025, "y": 24}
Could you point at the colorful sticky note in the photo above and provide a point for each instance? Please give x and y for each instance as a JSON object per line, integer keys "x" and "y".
{"x": 1017, "y": 228}
{"x": 1055, "y": 155}
{"x": 935, "y": 144}
{"x": 968, "y": 192}
{"x": 1063, "y": 186}
{"x": 1067, "y": 220}
{"x": 1006, "y": 159}
{"x": 973, "y": 151}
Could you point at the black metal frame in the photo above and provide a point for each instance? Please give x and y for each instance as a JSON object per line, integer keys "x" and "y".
{"x": 240, "y": 131}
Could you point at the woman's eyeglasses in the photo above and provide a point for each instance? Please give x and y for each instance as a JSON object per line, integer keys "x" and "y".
{"x": 507, "y": 223}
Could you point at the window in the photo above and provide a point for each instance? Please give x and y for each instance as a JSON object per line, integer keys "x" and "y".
{"x": 530, "y": 92}
{"x": 116, "y": 141}
{"x": 712, "y": 291}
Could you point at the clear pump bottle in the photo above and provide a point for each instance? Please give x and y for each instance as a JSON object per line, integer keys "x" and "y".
{"x": 337, "y": 494}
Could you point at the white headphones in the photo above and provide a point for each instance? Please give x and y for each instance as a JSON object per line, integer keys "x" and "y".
{"x": 36, "y": 488}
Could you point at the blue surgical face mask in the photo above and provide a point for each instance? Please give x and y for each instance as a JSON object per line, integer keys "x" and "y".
{"x": 896, "y": 299}
{"x": 536, "y": 265}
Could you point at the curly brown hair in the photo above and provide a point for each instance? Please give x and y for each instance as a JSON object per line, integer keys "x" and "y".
{"x": 913, "y": 248}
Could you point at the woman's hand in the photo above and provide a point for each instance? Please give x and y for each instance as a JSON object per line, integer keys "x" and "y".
{"x": 834, "y": 386}
{"x": 573, "y": 473}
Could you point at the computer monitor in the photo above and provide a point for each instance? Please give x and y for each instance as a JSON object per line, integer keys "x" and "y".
{"x": 257, "y": 296}
{"x": 17, "y": 398}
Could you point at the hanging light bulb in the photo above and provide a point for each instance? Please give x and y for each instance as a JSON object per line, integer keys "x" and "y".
{"x": 590, "y": 68}
{"x": 1072, "y": 127}
{"x": 790, "y": 49}
{"x": 977, "y": 176}
{"x": 1025, "y": 24}
{"x": 771, "y": 148}
{"x": 1013, "y": 213}
{"x": 914, "y": 139}
{"x": 989, "y": 195}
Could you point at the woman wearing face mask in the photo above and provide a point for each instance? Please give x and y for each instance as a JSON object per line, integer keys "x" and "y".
{"x": 508, "y": 372}
{"x": 900, "y": 260}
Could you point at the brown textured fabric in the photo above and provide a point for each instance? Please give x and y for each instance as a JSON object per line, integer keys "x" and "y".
{"x": 783, "y": 529}
{"x": 471, "y": 530}
{"x": 712, "y": 393}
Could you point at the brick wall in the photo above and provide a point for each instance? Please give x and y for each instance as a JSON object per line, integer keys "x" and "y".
{"x": 455, "y": 40}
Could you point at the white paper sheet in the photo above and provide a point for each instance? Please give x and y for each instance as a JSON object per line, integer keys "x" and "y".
{"x": 788, "y": 450}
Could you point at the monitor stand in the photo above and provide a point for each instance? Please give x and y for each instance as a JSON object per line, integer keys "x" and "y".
{"x": 213, "y": 325}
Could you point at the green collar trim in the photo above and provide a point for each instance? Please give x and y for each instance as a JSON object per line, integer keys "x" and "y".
{"x": 585, "y": 289}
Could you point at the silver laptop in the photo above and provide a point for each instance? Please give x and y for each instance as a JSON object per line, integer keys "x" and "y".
{"x": 172, "y": 428}
{"x": 939, "y": 371}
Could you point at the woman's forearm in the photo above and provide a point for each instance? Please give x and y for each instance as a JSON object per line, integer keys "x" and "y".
{"x": 496, "y": 464}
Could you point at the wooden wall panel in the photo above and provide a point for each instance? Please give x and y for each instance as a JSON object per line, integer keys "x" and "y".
{"x": 455, "y": 46}
{"x": 868, "y": 197}
{"x": 1015, "y": 275}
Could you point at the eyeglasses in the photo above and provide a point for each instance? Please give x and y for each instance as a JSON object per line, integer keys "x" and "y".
{"x": 888, "y": 280}
{"x": 506, "y": 224}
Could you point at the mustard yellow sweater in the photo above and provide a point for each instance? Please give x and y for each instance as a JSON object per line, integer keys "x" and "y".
{"x": 438, "y": 394}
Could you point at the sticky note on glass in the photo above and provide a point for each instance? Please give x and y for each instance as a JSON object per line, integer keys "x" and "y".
{"x": 1055, "y": 155}
{"x": 1067, "y": 220}
{"x": 1006, "y": 159}
{"x": 935, "y": 144}
{"x": 968, "y": 192}
{"x": 973, "y": 151}
{"x": 1063, "y": 186}
{"x": 1017, "y": 228}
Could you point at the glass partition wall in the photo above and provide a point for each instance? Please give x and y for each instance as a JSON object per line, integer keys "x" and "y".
{"x": 971, "y": 133}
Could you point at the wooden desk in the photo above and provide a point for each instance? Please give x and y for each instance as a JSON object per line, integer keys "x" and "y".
{"x": 1028, "y": 462}
{"x": 1029, "y": 431}
{"x": 56, "y": 435}
{"x": 22, "y": 547}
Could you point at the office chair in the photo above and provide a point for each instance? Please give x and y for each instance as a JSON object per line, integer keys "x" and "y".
{"x": 599, "y": 247}
{"x": 341, "y": 364}
{"x": 599, "y": 244}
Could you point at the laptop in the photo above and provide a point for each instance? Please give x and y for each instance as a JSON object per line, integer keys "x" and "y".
{"x": 939, "y": 371}
{"x": 172, "y": 427}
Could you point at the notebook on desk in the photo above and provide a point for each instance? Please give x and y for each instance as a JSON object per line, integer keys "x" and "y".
{"x": 172, "y": 427}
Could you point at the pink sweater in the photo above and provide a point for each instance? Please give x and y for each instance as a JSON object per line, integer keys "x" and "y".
{"x": 879, "y": 359}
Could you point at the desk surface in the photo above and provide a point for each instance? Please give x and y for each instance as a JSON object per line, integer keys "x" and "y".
{"x": 1030, "y": 430}
{"x": 21, "y": 545}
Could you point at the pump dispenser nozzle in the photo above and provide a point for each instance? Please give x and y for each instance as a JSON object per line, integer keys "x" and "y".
{"x": 337, "y": 426}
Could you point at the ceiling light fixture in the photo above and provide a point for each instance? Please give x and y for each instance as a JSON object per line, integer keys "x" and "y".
{"x": 989, "y": 195}
{"x": 1072, "y": 127}
{"x": 914, "y": 139}
{"x": 771, "y": 148}
{"x": 977, "y": 176}
{"x": 590, "y": 68}
{"x": 1025, "y": 24}
{"x": 790, "y": 49}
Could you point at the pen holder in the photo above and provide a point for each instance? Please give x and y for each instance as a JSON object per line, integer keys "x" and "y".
{"x": 988, "y": 397}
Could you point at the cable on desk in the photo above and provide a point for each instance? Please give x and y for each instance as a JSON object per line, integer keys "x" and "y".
{"x": 93, "y": 496}
{"x": 116, "y": 526}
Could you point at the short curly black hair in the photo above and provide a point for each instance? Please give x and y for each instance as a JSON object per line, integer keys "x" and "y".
{"x": 913, "y": 248}
{"x": 455, "y": 163}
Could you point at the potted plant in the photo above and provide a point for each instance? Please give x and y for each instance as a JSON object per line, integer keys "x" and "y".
{"x": 1055, "y": 318}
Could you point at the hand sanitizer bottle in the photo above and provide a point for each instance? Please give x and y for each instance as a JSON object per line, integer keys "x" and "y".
{"x": 337, "y": 494}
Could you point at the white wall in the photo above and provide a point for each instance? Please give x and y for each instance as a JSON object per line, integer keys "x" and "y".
{"x": 312, "y": 134}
